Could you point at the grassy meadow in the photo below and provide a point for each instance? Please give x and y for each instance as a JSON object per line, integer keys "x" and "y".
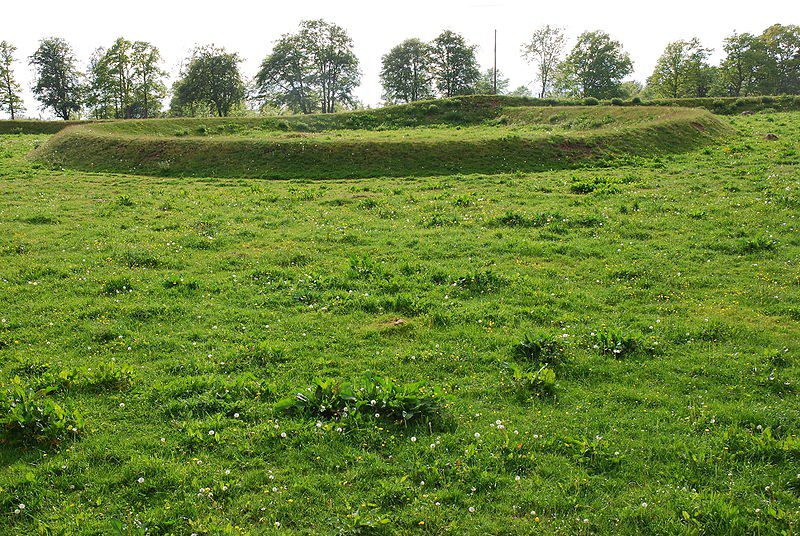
{"x": 581, "y": 351}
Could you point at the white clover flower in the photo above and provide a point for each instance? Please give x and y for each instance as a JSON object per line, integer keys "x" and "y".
{"x": 471, "y": 509}
{"x": 140, "y": 480}
{"x": 477, "y": 434}
{"x": 211, "y": 432}
{"x": 283, "y": 435}
{"x": 413, "y": 439}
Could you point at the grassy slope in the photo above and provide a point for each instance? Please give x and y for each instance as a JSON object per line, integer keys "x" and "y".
{"x": 697, "y": 251}
{"x": 35, "y": 127}
{"x": 124, "y": 147}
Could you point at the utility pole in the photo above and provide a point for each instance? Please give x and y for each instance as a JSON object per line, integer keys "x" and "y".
{"x": 494, "y": 83}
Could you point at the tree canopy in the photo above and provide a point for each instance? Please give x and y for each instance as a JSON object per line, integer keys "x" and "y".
{"x": 58, "y": 82}
{"x": 10, "y": 99}
{"x": 314, "y": 69}
{"x": 210, "y": 84}
{"x": 681, "y": 71}
{"x": 406, "y": 72}
{"x": 544, "y": 49}
{"x": 455, "y": 68}
{"x": 595, "y": 67}
{"x": 126, "y": 81}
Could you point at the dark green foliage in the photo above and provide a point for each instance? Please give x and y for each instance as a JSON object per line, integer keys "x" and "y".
{"x": 537, "y": 381}
{"x": 370, "y": 397}
{"x": 33, "y": 418}
{"x": 616, "y": 344}
{"x": 539, "y": 349}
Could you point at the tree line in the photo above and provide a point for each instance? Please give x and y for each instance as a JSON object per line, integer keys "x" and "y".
{"x": 315, "y": 69}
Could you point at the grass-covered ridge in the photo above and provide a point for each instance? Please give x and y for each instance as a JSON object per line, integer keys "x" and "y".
{"x": 465, "y": 135}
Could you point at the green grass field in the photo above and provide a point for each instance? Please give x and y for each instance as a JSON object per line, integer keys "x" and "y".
{"x": 605, "y": 350}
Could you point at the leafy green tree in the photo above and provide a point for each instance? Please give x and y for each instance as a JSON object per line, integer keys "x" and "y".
{"x": 747, "y": 68}
{"x": 211, "y": 82}
{"x": 286, "y": 78}
{"x": 544, "y": 49}
{"x": 681, "y": 71}
{"x": 314, "y": 69}
{"x": 57, "y": 84}
{"x": 595, "y": 67}
{"x": 335, "y": 65}
{"x": 10, "y": 100}
{"x": 485, "y": 84}
{"x": 455, "y": 69}
{"x": 126, "y": 81}
{"x": 406, "y": 72}
{"x": 148, "y": 79}
{"x": 783, "y": 47}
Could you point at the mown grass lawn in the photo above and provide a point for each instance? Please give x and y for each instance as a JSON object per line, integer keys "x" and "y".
{"x": 173, "y": 314}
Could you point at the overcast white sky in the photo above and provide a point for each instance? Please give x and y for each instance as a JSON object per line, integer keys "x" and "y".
{"x": 250, "y": 27}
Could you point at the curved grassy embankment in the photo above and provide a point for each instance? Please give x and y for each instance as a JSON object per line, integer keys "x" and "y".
{"x": 31, "y": 126}
{"x": 468, "y": 135}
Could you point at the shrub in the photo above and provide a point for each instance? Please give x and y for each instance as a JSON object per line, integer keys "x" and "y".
{"x": 636, "y": 100}
{"x": 591, "y": 101}
{"x": 539, "y": 349}
{"x": 617, "y": 102}
{"x": 367, "y": 397}
{"x": 30, "y": 418}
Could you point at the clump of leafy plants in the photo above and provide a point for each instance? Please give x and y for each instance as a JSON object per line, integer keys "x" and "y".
{"x": 109, "y": 376}
{"x": 33, "y": 418}
{"x": 515, "y": 219}
{"x": 121, "y": 285}
{"x": 539, "y": 349}
{"x": 616, "y": 344}
{"x": 106, "y": 377}
{"x": 480, "y": 282}
{"x": 538, "y": 382}
{"x": 371, "y": 397}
